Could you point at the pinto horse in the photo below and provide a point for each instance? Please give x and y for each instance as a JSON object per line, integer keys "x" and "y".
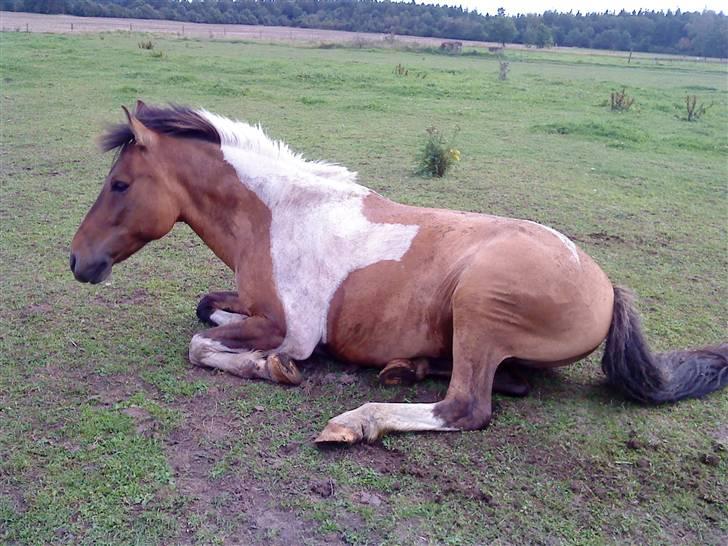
{"x": 320, "y": 260}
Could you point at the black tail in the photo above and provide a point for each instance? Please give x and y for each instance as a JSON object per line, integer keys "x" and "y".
{"x": 657, "y": 378}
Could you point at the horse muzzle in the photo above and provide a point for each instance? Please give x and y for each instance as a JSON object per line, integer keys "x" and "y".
{"x": 93, "y": 271}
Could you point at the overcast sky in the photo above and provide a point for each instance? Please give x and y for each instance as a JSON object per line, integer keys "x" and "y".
{"x": 532, "y": 6}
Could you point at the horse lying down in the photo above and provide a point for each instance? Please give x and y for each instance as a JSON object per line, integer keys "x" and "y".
{"x": 320, "y": 260}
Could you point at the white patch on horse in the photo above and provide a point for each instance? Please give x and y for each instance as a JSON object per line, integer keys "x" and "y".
{"x": 568, "y": 243}
{"x": 319, "y": 233}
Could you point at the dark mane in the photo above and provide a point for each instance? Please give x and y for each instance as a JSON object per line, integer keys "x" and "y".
{"x": 173, "y": 120}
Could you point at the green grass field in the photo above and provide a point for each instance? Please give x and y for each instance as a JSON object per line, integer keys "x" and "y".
{"x": 107, "y": 436}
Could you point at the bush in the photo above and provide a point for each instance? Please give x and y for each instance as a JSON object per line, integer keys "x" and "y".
{"x": 694, "y": 109}
{"x": 504, "y": 68}
{"x": 620, "y": 101}
{"x": 438, "y": 155}
{"x": 146, "y": 45}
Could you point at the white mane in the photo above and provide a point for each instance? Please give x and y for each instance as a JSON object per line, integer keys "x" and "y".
{"x": 252, "y": 138}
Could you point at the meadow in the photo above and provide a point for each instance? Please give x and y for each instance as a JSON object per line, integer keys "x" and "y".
{"x": 108, "y": 436}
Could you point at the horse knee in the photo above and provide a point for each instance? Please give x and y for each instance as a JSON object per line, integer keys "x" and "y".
{"x": 464, "y": 413}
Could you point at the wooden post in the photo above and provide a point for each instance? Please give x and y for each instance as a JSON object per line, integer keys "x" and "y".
{"x": 629, "y": 60}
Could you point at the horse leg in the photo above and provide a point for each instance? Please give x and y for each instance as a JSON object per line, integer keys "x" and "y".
{"x": 467, "y": 405}
{"x": 244, "y": 348}
{"x": 402, "y": 371}
{"x": 510, "y": 381}
{"x": 220, "y": 308}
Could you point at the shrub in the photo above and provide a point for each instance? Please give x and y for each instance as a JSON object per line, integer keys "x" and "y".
{"x": 437, "y": 155}
{"x": 400, "y": 70}
{"x": 620, "y": 101}
{"x": 504, "y": 68}
{"x": 146, "y": 45}
{"x": 694, "y": 109}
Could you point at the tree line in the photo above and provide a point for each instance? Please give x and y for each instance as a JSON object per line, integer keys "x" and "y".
{"x": 689, "y": 33}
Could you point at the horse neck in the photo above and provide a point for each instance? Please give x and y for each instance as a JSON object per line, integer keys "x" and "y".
{"x": 224, "y": 213}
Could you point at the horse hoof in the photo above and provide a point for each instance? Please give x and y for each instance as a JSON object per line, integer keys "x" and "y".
{"x": 283, "y": 370}
{"x": 338, "y": 434}
{"x": 398, "y": 372}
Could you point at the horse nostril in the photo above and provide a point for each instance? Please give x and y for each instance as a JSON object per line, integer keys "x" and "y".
{"x": 73, "y": 262}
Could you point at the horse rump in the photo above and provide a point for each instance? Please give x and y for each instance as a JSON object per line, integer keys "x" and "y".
{"x": 656, "y": 378}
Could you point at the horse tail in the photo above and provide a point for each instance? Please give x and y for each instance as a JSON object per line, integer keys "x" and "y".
{"x": 656, "y": 378}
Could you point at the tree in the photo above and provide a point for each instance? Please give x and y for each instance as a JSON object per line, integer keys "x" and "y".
{"x": 502, "y": 30}
{"x": 538, "y": 34}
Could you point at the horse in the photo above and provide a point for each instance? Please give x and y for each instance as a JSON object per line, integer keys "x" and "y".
{"x": 320, "y": 261}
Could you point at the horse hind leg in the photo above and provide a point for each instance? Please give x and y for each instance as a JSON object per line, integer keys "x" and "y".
{"x": 220, "y": 308}
{"x": 466, "y": 406}
{"x": 509, "y": 380}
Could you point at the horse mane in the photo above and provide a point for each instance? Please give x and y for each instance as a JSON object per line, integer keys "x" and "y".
{"x": 173, "y": 120}
{"x": 184, "y": 122}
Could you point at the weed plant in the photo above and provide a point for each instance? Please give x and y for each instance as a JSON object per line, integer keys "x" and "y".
{"x": 438, "y": 154}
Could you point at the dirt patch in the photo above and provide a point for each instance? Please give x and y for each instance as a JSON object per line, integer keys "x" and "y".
{"x": 198, "y": 451}
{"x": 109, "y": 390}
{"x": 35, "y": 310}
{"x": 138, "y": 296}
{"x": 605, "y": 238}
{"x": 144, "y": 423}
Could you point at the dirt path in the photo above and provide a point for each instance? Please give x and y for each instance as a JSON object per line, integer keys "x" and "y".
{"x": 38, "y": 22}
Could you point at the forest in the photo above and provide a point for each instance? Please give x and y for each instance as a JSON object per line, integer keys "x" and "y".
{"x": 688, "y": 33}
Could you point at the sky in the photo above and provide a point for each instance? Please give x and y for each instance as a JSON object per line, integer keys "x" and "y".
{"x": 533, "y": 6}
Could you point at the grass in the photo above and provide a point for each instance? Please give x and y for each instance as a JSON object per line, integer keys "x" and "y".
{"x": 206, "y": 458}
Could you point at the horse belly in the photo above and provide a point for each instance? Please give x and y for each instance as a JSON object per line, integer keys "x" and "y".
{"x": 382, "y": 312}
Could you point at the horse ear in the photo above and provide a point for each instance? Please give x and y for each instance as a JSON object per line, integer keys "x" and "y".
{"x": 142, "y": 135}
{"x": 139, "y": 106}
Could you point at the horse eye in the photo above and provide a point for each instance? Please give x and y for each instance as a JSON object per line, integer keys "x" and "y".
{"x": 119, "y": 186}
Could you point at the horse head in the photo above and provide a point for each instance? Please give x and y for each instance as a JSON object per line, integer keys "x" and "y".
{"x": 137, "y": 202}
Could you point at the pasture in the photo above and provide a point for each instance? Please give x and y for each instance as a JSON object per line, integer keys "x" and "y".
{"x": 108, "y": 436}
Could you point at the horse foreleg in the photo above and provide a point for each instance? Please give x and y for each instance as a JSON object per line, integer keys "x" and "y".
{"x": 220, "y": 308}
{"x": 467, "y": 406}
{"x": 244, "y": 348}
